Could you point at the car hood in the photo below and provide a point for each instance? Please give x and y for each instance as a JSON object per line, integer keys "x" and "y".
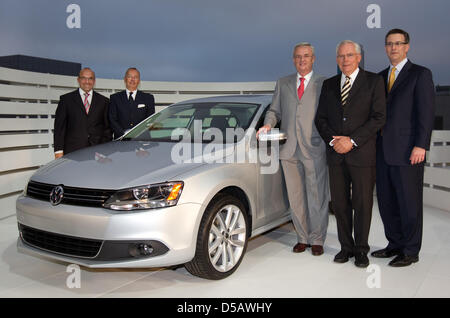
{"x": 117, "y": 165}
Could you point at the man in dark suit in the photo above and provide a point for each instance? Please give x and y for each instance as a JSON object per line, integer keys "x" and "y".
{"x": 81, "y": 118}
{"x": 129, "y": 107}
{"x": 352, "y": 108}
{"x": 401, "y": 151}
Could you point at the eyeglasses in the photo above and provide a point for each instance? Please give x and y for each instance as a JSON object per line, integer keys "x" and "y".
{"x": 391, "y": 44}
{"x": 86, "y": 78}
{"x": 306, "y": 56}
{"x": 348, "y": 55}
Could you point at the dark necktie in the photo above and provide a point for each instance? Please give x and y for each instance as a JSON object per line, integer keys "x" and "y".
{"x": 130, "y": 98}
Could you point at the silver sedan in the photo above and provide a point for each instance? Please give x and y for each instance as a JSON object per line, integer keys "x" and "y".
{"x": 189, "y": 185}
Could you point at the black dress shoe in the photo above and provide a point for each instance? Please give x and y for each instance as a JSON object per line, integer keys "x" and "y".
{"x": 361, "y": 260}
{"x": 385, "y": 253}
{"x": 342, "y": 257}
{"x": 404, "y": 260}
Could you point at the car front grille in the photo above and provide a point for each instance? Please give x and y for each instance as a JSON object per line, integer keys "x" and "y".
{"x": 72, "y": 195}
{"x": 61, "y": 244}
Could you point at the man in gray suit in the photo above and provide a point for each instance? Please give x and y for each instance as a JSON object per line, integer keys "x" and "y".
{"x": 303, "y": 156}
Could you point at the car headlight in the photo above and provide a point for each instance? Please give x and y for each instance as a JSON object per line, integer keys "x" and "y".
{"x": 146, "y": 197}
{"x": 25, "y": 189}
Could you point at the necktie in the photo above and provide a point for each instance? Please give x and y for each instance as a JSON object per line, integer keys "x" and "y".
{"x": 130, "y": 98}
{"x": 86, "y": 103}
{"x": 391, "y": 79}
{"x": 345, "y": 90}
{"x": 301, "y": 88}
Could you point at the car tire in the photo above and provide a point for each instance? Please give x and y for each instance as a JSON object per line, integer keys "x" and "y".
{"x": 222, "y": 239}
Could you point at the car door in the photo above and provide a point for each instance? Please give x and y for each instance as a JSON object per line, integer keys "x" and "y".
{"x": 272, "y": 195}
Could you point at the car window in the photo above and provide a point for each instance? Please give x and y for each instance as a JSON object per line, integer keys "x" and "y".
{"x": 262, "y": 118}
{"x": 196, "y": 119}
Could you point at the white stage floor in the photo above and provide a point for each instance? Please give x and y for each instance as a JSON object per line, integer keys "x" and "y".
{"x": 269, "y": 269}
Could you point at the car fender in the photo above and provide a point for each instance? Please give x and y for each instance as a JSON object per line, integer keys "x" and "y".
{"x": 202, "y": 184}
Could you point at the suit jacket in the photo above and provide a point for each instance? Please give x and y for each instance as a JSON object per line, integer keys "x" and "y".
{"x": 297, "y": 116}
{"x": 360, "y": 119}
{"x": 74, "y": 129}
{"x": 410, "y": 113}
{"x": 124, "y": 115}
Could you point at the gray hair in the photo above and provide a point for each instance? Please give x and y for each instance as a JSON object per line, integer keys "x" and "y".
{"x": 304, "y": 44}
{"x": 357, "y": 46}
{"x": 132, "y": 69}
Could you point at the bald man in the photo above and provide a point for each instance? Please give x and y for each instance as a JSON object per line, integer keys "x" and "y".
{"x": 81, "y": 118}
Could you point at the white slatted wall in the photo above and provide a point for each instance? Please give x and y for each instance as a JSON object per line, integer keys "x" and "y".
{"x": 28, "y": 102}
{"x": 436, "y": 191}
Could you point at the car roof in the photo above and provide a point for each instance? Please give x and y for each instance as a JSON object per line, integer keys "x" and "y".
{"x": 258, "y": 99}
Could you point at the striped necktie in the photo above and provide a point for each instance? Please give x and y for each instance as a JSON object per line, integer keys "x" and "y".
{"x": 86, "y": 102}
{"x": 345, "y": 90}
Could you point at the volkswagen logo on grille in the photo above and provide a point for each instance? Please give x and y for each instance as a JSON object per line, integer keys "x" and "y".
{"x": 56, "y": 195}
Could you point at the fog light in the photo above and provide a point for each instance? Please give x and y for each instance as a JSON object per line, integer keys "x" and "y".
{"x": 141, "y": 250}
{"x": 145, "y": 249}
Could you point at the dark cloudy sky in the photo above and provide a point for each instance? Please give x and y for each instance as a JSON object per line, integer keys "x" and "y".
{"x": 220, "y": 40}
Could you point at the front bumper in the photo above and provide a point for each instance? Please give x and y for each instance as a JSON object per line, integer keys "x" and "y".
{"x": 171, "y": 231}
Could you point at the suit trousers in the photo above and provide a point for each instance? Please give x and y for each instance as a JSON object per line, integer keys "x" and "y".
{"x": 352, "y": 189}
{"x": 308, "y": 194}
{"x": 400, "y": 200}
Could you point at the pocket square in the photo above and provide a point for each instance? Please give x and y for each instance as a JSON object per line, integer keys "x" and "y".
{"x": 141, "y": 105}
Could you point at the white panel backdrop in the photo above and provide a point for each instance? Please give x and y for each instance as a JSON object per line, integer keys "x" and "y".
{"x": 28, "y": 102}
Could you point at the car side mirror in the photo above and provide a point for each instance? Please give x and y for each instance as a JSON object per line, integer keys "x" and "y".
{"x": 273, "y": 135}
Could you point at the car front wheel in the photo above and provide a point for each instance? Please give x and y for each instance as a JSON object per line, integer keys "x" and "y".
{"x": 222, "y": 239}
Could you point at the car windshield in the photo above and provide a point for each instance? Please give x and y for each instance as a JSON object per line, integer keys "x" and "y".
{"x": 197, "y": 122}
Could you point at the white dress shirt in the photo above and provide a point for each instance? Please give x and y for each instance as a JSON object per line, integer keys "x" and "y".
{"x": 352, "y": 77}
{"x": 133, "y": 95}
{"x": 398, "y": 69}
{"x": 82, "y": 95}
{"x": 307, "y": 78}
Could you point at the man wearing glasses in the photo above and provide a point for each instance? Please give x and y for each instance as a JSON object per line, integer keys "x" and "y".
{"x": 352, "y": 108}
{"x": 129, "y": 107}
{"x": 401, "y": 147}
{"x": 81, "y": 118}
{"x": 302, "y": 157}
